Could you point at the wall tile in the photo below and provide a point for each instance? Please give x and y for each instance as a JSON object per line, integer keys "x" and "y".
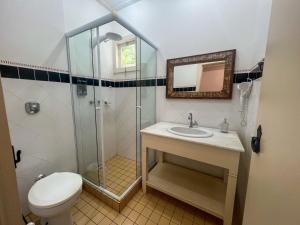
{"x": 9, "y": 71}
{"x": 41, "y": 75}
{"x": 27, "y": 74}
{"x": 53, "y": 76}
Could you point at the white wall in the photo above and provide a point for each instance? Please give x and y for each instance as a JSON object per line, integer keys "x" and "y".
{"x": 183, "y": 28}
{"x": 47, "y": 138}
{"x": 80, "y": 12}
{"x": 32, "y": 32}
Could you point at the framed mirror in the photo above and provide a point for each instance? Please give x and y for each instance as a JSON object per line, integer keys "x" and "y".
{"x": 207, "y": 76}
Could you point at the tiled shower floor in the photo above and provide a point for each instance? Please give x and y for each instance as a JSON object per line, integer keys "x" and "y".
{"x": 120, "y": 174}
{"x": 144, "y": 209}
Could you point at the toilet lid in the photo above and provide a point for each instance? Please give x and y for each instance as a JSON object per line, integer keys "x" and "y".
{"x": 54, "y": 189}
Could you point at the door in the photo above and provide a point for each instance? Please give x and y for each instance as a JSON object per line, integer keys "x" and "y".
{"x": 86, "y": 106}
{"x": 146, "y": 96}
{"x": 10, "y": 209}
{"x": 273, "y": 194}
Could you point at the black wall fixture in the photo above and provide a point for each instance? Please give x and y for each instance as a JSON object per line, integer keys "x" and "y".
{"x": 17, "y": 156}
{"x": 255, "y": 142}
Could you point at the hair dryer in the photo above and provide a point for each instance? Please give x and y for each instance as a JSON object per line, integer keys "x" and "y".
{"x": 245, "y": 91}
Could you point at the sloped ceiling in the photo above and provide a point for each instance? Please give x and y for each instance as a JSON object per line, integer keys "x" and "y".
{"x": 115, "y": 5}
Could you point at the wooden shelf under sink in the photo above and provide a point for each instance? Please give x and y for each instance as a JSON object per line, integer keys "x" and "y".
{"x": 199, "y": 190}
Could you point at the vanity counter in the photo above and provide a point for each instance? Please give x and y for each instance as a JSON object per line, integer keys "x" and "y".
{"x": 229, "y": 141}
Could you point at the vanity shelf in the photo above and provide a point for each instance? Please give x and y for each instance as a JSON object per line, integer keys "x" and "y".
{"x": 197, "y": 189}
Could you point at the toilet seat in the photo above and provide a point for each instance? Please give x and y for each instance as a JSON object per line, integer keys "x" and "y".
{"x": 54, "y": 190}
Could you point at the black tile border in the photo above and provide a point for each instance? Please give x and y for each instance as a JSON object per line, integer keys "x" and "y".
{"x": 9, "y": 71}
{"x": 14, "y": 72}
{"x": 41, "y": 75}
{"x": 27, "y": 74}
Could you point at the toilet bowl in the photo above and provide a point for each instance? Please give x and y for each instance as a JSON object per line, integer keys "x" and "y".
{"x": 52, "y": 198}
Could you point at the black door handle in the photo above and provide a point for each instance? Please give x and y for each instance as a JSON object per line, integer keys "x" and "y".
{"x": 255, "y": 141}
{"x": 17, "y": 158}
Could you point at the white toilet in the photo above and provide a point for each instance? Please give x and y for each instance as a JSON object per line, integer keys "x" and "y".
{"x": 52, "y": 198}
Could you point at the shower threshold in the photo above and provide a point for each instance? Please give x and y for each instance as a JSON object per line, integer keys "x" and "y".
{"x": 114, "y": 201}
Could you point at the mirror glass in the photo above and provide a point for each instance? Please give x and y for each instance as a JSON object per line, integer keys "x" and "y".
{"x": 199, "y": 77}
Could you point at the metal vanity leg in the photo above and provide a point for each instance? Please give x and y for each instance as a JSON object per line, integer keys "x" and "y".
{"x": 145, "y": 156}
{"x": 230, "y": 196}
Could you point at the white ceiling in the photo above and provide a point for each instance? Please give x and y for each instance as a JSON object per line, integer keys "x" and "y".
{"x": 114, "y": 5}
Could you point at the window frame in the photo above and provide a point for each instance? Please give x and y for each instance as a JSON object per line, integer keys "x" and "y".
{"x": 117, "y": 54}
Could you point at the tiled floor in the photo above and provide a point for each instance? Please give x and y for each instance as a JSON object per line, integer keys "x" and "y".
{"x": 120, "y": 174}
{"x": 144, "y": 209}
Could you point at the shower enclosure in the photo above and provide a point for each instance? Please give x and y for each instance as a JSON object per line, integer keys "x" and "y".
{"x": 113, "y": 72}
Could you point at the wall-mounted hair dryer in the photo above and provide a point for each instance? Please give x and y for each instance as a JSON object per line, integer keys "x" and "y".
{"x": 245, "y": 91}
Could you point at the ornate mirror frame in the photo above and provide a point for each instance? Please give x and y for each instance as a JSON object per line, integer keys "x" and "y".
{"x": 226, "y": 93}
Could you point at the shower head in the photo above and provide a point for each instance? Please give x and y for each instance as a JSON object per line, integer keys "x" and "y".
{"x": 108, "y": 36}
{"x": 112, "y": 36}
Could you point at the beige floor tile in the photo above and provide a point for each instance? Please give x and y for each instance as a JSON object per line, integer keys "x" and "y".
{"x": 159, "y": 209}
{"x": 105, "y": 221}
{"x": 167, "y": 213}
{"x": 155, "y": 217}
{"x": 98, "y": 217}
{"x": 80, "y": 204}
{"x": 146, "y": 212}
{"x": 128, "y": 222}
{"x": 119, "y": 219}
{"x": 139, "y": 207}
{"x": 112, "y": 214}
{"x": 164, "y": 221}
{"x": 105, "y": 209}
{"x": 149, "y": 222}
{"x": 89, "y": 211}
{"x": 132, "y": 204}
{"x": 83, "y": 220}
{"x": 141, "y": 220}
{"x": 133, "y": 215}
{"x": 90, "y": 223}
{"x": 77, "y": 216}
{"x": 176, "y": 219}
{"x": 126, "y": 211}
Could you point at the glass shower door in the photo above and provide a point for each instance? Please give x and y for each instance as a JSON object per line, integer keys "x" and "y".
{"x": 85, "y": 106}
{"x": 146, "y": 96}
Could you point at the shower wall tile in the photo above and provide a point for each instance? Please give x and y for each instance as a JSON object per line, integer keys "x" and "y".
{"x": 53, "y": 76}
{"x": 46, "y": 138}
{"x": 41, "y": 75}
{"x": 9, "y": 71}
{"x": 27, "y": 74}
{"x": 125, "y": 120}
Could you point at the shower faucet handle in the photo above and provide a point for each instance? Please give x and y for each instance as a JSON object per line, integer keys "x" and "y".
{"x": 92, "y": 102}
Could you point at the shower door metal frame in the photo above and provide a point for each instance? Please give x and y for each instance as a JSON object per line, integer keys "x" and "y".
{"x": 90, "y": 26}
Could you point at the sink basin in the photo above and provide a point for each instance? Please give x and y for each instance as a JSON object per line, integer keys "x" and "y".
{"x": 190, "y": 132}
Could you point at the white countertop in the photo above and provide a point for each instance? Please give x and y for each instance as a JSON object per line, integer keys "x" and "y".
{"x": 230, "y": 140}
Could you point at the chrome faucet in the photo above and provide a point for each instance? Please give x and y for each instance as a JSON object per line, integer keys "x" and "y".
{"x": 191, "y": 122}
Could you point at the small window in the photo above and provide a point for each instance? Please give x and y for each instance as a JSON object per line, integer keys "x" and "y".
{"x": 125, "y": 55}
